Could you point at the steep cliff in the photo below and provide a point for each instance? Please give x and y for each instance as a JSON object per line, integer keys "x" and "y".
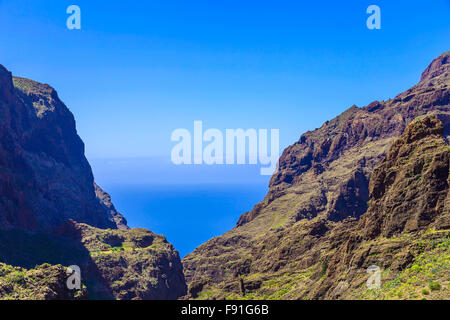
{"x": 409, "y": 189}
{"x": 51, "y": 211}
{"x": 283, "y": 247}
{"x": 45, "y": 178}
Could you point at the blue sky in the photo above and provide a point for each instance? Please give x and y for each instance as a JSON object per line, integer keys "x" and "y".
{"x": 137, "y": 70}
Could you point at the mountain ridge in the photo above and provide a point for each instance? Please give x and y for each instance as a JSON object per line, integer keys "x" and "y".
{"x": 52, "y": 211}
{"x": 320, "y": 190}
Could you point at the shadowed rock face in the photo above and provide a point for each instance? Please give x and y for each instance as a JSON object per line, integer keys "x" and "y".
{"x": 127, "y": 264}
{"x": 45, "y": 178}
{"x": 113, "y": 214}
{"x": 321, "y": 190}
{"x": 52, "y": 211}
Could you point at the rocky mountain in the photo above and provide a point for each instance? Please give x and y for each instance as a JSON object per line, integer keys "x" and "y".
{"x": 45, "y": 178}
{"x": 52, "y": 212}
{"x": 369, "y": 187}
{"x": 113, "y": 215}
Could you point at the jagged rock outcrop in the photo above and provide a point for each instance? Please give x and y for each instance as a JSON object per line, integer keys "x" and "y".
{"x": 409, "y": 189}
{"x": 113, "y": 214}
{"x": 51, "y": 211}
{"x": 408, "y": 219}
{"x": 315, "y": 200}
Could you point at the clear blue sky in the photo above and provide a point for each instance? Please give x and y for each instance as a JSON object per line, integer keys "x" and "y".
{"x": 140, "y": 69}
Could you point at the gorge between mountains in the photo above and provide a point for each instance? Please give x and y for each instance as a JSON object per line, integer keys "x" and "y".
{"x": 369, "y": 187}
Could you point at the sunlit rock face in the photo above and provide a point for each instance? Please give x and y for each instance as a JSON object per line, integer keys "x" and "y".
{"x": 325, "y": 188}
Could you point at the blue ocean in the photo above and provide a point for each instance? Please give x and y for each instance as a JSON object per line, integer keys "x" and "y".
{"x": 188, "y": 205}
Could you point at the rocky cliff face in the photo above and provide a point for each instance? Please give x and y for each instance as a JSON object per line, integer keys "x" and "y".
{"x": 45, "y": 178}
{"x": 406, "y": 230}
{"x": 287, "y": 245}
{"x": 46, "y": 185}
{"x": 113, "y": 214}
{"x": 409, "y": 189}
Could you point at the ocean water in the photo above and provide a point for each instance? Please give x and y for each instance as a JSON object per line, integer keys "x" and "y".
{"x": 187, "y": 215}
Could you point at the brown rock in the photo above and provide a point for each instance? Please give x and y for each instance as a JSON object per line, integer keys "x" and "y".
{"x": 309, "y": 218}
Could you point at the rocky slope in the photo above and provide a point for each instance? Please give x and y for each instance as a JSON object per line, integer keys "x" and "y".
{"x": 125, "y": 264}
{"x": 292, "y": 243}
{"x": 406, "y": 230}
{"x": 44, "y": 282}
{"x": 51, "y": 211}
{"x": 45, "y": 178}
